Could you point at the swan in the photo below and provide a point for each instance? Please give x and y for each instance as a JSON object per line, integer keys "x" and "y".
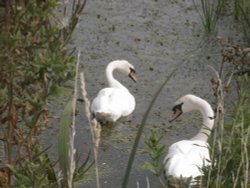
{"x": 185, "y": 158}
{"x": 115, "y": 101}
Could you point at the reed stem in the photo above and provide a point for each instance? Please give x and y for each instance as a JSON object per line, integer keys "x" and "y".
{"x": 95, "y": 127}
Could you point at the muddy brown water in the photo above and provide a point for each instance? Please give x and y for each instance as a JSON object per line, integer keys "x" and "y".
{"x": 156, "y": 36}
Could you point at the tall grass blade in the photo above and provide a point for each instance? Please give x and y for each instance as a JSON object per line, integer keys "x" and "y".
{"x": 72, "y": 132}
{"x": 210, "y": 13}
{"x": 246, "y": 22}
{"x": 63, "y": 138}
{"x": 67, "y": 136}
{"x": 139, "y": 132}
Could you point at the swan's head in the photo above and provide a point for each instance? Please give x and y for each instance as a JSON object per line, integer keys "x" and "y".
{"x": 125, "y": 67}
{"x": 185, "y": 104}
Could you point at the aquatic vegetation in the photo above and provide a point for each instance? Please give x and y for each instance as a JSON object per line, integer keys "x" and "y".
{"x": 244, "y": 9}
{"x": 211, "y": 11}
{"x": 210, "y": 14}
{"x": 156, "y": 150}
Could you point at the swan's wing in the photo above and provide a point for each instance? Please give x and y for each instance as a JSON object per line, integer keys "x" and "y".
{"x": 101, "y": 100}
{"x": 185, "y": 158}
{"x": 116, "y": 102}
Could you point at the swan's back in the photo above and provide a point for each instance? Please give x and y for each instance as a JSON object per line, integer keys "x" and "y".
{"x": 112, "y": 103}
{"x": 186, "y": 157}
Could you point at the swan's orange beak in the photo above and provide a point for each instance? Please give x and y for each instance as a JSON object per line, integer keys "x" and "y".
{"x": 175, "y": 115}
{"x": 132, "y": 75}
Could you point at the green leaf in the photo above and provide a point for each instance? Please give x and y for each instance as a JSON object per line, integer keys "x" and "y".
{"x": 150, "y": 167}
{"x": 65, "y": 122}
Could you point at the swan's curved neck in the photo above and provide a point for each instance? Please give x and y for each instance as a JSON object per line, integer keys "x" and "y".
{"x": 112, "y": 82}
{"x": 208, "y": 121}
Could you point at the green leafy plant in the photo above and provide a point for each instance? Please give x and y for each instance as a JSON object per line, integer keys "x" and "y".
{"x": 37, "y": 172}
{"x": 34, "y": 64}
{"x": 156, "y": 150}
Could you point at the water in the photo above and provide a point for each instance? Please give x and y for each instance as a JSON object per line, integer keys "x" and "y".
{"x": 156, "y": 37}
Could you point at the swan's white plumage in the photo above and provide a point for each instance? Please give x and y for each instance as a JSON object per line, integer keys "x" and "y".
{"x": 115, "y": 101}
{"x": 186, "y": 158}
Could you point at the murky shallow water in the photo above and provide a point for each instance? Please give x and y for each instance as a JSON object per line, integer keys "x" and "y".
{"x": 156, "y": 37}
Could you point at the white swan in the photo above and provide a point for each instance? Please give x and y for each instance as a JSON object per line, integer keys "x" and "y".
{"x": 186, "y": 158}
{"x": 115, "y": 101}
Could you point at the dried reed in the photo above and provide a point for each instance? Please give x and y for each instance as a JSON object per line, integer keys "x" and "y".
{"x": 219, "y": 125}
{"x": 229, "y": 154}
{"x": 95, "y": 127}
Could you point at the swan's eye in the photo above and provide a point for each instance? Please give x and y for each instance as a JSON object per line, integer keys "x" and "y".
{"x": 132, "y": 74}
{"x": 177, "y": 112}
{"x": 178, "y": 107}
{"x": 132, "y": 70}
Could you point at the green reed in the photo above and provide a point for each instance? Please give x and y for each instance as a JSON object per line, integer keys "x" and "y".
{"x": 140, "y": 130}
{"x": 210, "y": 13}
